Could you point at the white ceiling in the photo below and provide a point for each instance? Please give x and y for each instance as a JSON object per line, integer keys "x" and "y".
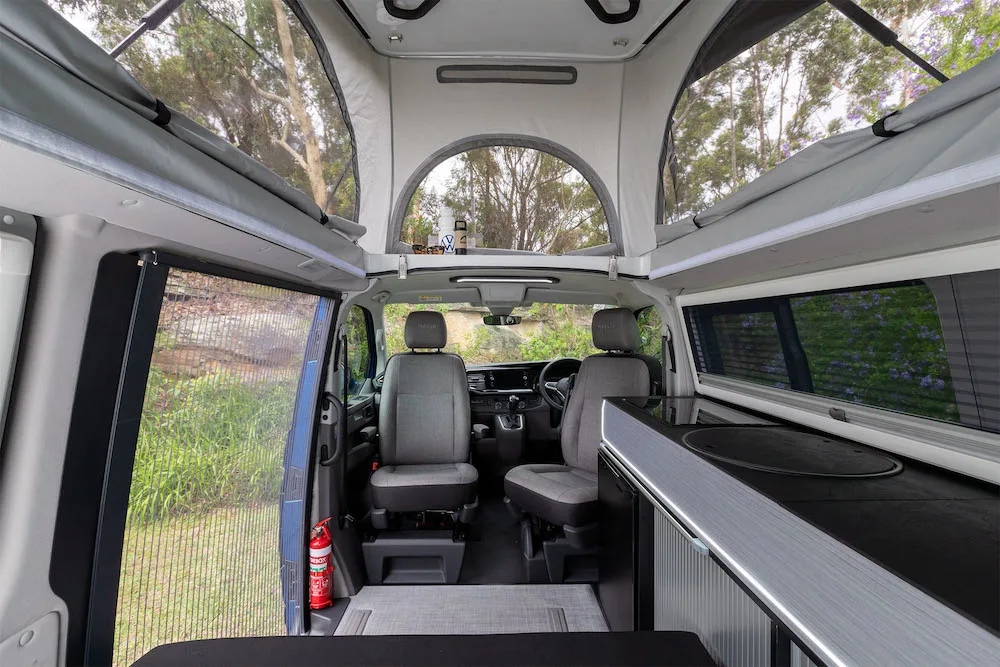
{"x": 543, "y": 29}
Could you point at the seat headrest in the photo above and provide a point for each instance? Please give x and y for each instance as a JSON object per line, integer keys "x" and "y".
{"x": 425, "y": 328}
{"x": 615, "y": 329}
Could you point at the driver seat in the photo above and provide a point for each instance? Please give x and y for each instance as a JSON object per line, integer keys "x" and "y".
{"x": 566, "y": 495}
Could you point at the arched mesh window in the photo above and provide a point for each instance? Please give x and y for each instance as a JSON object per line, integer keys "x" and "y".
{"x": 246, "y": 70}
{"x": 513, "y": 198}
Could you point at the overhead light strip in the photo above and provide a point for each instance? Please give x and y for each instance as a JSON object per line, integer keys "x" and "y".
{"x": 502, "y": 279}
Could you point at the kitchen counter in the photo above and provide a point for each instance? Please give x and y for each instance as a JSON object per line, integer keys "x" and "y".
{"x": 912, "y": 547}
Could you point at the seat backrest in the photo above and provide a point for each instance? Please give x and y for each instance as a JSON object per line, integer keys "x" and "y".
{"x": 424, "y": 409}
{"x": 619, "y": 373}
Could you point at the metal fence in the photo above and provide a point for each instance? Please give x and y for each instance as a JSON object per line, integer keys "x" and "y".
{"x": 201, "y": 551}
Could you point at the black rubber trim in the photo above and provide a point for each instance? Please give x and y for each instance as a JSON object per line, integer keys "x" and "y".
{"x": 604, "y": 16}
{"x": 878, "y": 128}
{"x": 162, "y": 114}
{"x": 354, "y": 20}
{"x": 91, "y": 420}
{"x": 511, "y": 78}
{"x": 129, "y": 395}
{"x": 673, "y": 15}
{"x": 409, "y": 14}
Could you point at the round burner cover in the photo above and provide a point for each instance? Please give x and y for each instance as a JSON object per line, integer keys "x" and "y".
{"x": 789, "y": 452}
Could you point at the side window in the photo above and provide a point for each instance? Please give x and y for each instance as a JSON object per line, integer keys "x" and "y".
{"x": 201, "y": 553}
{"x": 924, "y": 348}
{"x": 359, "y": 348}
{"x": 650, "y": 332}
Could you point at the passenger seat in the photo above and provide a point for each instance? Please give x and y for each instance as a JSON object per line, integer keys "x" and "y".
{"x": 424, "y": 424}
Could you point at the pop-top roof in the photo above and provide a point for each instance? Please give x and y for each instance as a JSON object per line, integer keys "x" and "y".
{"x": 549, "y": 29}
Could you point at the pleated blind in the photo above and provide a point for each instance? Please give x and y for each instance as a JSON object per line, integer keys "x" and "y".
{"x": 926, "y": 348}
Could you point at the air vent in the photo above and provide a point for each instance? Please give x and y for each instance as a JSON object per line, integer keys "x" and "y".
{"x": 543, "y": 74}
{"x": 477, "y": 381}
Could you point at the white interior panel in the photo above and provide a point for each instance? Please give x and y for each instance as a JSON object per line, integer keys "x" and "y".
{"x": 564, "y": 29}
{"x": 652, "y": 81}
{"x": 428, "y": 116}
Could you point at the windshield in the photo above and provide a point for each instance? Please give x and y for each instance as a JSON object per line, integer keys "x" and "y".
{"x": 546, "y": 331}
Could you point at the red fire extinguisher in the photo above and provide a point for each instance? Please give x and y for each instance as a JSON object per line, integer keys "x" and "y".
{"x": 320, "y": 568}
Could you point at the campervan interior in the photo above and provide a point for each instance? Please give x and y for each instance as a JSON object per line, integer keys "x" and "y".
{"x": 461, "y": 332}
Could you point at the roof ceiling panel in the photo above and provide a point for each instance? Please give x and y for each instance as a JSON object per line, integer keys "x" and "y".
{"x": 534, "y": 29}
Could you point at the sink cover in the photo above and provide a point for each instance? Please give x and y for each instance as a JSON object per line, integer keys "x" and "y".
{"x": 788, "y": 452}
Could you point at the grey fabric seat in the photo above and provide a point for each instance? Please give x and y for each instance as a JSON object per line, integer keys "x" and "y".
{"x": 567, "y": 494}
{"x": 424, "y": 425}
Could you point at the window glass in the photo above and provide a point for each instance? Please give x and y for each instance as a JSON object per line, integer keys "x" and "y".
{"x": 201, "y": 551}
{"x": 546, "y": 331}
{"x": 512, "y": 198}
{"x": 650, "y": 332}
{"x": 248, "y": 71}
{"x": 817, "y": 77}
{"x": 902, "y": 347}
{"x": 358, "y": 348}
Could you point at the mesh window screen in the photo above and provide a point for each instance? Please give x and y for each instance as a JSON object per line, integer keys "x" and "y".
{"x": 926, "y": 348}
{"x": 201, "y": 551}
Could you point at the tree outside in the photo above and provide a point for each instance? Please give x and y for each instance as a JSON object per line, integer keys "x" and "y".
{"x": 248, "y": 71}
{"x": 818, "y": 77}
{"x": 514, "y": 198}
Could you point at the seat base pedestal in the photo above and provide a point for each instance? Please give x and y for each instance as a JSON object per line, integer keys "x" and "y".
{"x": 414, "y": 557}
{"x": 558, "y": 561}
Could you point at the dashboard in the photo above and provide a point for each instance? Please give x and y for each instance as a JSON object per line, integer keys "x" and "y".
{"x": 490, "y": 386}
{"x": 503, "y": 379}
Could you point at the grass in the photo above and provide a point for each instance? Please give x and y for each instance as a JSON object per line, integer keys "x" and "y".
{"x": 210, "y": 441}
{"x": 215, "y": 574}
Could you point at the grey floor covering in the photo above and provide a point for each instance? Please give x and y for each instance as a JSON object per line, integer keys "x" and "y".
{"x": 470, "y": 610}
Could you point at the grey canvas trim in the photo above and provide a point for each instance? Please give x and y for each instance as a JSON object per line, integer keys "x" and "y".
{"x": 509, "y": 74}
{"x": 486, "y": 141}
{"x": 39, "y": 139}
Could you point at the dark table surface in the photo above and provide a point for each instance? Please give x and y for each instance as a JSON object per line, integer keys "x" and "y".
{"x": 937, "y": 529}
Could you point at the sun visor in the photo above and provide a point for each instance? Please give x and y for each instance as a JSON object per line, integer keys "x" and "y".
{"x": 502, "y": 294}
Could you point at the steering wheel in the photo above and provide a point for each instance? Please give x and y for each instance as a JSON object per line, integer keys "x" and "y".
{"x": 556, "y": 392}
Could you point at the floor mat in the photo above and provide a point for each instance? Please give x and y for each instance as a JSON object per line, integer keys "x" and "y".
{"x": 493, "y": 546}
{"x": 472, "y": 610}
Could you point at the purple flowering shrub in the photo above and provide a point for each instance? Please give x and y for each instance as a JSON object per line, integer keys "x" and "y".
{"x": 881, "y": 347}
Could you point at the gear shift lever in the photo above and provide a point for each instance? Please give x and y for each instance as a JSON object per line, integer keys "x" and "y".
{"x": 512, "y": 404}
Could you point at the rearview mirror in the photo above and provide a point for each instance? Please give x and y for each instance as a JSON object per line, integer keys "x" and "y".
{"x": 501, "y": 320}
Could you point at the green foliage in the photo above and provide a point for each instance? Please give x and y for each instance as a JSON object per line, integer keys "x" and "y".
{"x": 880, "y": 347}
{"x": 650, "y": 332}
{"x": 517, "y": 199}
{"x": 547, "y": 331}
{"x": 357, "y": 347}
{"x": 566, "y": 333}
{"x": 207, "y": 442}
